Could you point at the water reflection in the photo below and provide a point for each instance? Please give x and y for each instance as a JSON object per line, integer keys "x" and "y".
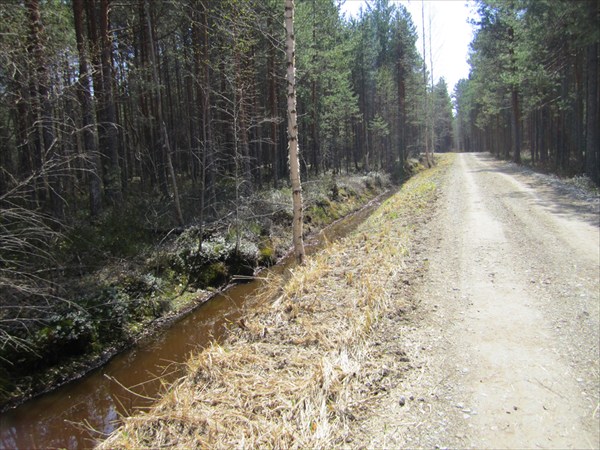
{"x": 81, "y": 412}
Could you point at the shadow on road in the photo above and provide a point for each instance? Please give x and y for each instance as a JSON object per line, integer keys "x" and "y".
{"x": 548, "y": 191}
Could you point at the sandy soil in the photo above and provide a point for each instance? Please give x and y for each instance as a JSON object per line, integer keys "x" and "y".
{"x": 503, "y": 337}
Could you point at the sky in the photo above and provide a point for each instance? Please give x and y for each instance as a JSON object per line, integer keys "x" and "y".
{"x": 450, "y": 38}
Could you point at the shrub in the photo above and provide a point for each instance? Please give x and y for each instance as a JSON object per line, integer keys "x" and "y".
{"x": 66, "y": 334}
{"x": 118, "y": 233}
{"x": 218, "y": 258}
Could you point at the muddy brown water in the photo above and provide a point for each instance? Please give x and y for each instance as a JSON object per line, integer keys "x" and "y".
{"x": 86, "y": 410}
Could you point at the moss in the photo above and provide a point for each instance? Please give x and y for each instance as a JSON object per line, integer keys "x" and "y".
{"x": 215, "y": 274}
{"x": 266, "y": 255}
{"x": 180, "y": 302}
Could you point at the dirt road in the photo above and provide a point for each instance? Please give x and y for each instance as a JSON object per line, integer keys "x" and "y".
{"x": 504, "y": 340}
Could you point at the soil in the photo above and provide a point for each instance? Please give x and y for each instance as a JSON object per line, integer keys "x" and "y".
{"x": 503, "y": 336}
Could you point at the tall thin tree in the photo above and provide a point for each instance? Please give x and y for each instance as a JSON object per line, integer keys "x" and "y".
{"x": 426, "y": 98}
{"x": 290, "y": 51}
{"x": 164, "y": 135}
{"x": 88, "y": 120}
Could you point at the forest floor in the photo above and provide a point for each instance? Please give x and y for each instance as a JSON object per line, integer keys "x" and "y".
{"x": 463, "y": 313}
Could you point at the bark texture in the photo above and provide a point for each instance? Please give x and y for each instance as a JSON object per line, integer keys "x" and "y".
{"x": 293, "y": 132}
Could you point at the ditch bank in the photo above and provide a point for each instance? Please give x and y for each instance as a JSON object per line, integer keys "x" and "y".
{"x": 132, "y": 379}
{"x": 313, "y": 354}
{"x": 129, "y": 299}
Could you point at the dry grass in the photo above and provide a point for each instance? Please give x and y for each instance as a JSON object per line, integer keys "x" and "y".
{"x": 297, "y": 371}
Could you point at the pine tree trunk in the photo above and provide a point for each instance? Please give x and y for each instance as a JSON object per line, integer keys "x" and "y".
{"x": 109, "y": 141}
{"x": 578, "y": 116}
{"x": 515, "y": 121}
{"x": 592, "y": 145}
{"x": 293, "y": 133}
{"x": 88, "y": 122}
{"x": 273, "y": 112}
{"x": 401, "y": 86}
{"x": 41, "y": 96}
{"x": 425, "y": 98}
{"x": 247, "y": 187}
{"x": 164, "y": 136}
{"x": 208, "y": 157}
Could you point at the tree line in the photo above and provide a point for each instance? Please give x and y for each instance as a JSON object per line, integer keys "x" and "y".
{"x": 533, "y": 89}
{"x": 102, "y": 99}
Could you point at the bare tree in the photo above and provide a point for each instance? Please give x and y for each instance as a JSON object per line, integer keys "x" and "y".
{"x": 290, "y": 51}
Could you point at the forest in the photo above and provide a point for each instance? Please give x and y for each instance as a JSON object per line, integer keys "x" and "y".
{"x": 128, "y": 126}
{"x": 532, "y": 94}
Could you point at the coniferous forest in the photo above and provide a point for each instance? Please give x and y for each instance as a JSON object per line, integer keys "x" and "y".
{"x": 126, "y": 125}
{"x": 532, "y": 94}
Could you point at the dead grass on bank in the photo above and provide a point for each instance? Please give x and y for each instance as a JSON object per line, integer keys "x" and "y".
{"x": 298, "y": 370}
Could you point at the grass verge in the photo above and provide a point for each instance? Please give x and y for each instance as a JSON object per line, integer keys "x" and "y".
{"x": 300, "y": 368}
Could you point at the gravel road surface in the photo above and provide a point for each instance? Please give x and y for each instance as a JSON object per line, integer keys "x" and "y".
{"x": 504, "y": 338}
